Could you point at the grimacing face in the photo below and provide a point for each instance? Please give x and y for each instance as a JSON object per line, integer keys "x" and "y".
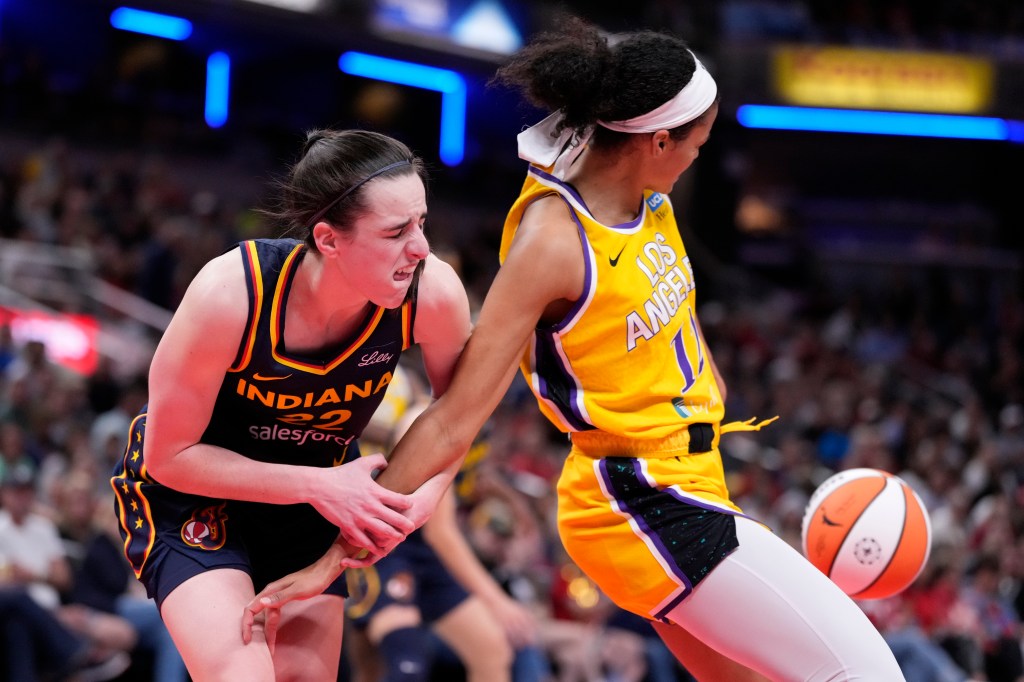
{"x": 387, "y": 242}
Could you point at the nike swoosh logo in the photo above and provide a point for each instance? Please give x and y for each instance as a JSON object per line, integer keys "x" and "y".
{"x": 829, "y": 522}
{"x": 615, "y": 261}
{"x": 259, "y": 377}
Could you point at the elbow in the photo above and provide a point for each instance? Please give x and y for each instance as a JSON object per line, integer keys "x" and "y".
{"x": 160, "y": 467}
{"x": 456, "y": 440}
{"x": 447, "y": 432}
{"x": 155, "y": 468}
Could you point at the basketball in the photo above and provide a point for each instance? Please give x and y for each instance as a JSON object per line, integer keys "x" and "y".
{"x": 868, "y": 531}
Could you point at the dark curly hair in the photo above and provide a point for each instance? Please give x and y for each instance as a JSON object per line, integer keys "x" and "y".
{"x": 589, "y": 76}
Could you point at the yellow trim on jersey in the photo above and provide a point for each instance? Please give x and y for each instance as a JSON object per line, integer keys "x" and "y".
{"x": 364, "y": 590}
{"x": 276, "y": 324}
{"x": 143, "y": 516}
{"x": 253, "y": 260}
{"x": 406, "y": 325}
{"x": 122, "y": 486}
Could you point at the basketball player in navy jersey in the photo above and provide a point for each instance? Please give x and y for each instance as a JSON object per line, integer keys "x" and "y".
{"x": 238, "y": 471}
{"x": 596, "y": 301}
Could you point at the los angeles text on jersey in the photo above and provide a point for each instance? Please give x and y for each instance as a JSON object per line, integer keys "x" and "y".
{"x": 671, "y": 281}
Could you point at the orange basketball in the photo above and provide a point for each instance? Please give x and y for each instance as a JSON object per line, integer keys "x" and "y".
{"x": 868, "y": 531}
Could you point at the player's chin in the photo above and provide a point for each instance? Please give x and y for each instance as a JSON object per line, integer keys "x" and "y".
{"x": 664, "y": 187}
{"x": 395, "y": 297}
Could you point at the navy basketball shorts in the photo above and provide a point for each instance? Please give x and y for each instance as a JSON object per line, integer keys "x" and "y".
{"x": 170, "y": 536}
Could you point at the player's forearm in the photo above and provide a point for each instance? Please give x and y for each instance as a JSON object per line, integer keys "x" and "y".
{"x": 441, "y": 436}
{"x": 217, "y": 472}
{"x": 431, "y": 446}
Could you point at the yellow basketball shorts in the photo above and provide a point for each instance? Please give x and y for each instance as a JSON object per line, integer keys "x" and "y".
{"x": 647, "y": 530}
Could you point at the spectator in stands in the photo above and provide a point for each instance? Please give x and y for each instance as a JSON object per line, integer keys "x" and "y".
{"x": 109, "y": 428}
{"x": 37, "y": 646}
{"x": 31, "y": 550}
{"x": 1000, "y": 625}
{"x": 14, "y": 451}
{"x": 8, "y": 352}
{"x": 101, "y": 578}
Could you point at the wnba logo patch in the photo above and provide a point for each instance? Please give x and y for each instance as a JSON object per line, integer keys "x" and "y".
{"x": 206, "y": 528}
{"x": 680, "y": 405}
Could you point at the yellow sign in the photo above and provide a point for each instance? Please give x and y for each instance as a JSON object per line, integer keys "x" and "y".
{"x": 883, "y": 79}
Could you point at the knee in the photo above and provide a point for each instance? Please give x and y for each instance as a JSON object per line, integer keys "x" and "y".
{"x": 492, "y": 652}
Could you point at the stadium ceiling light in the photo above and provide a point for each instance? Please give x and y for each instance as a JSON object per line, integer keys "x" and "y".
{"x": 218, "y": 80}
{"x": 879, "y": 122}
{"x": 450, "y": 84}
{"x": 151, "y": 23}
{"x": 307, "y": 6}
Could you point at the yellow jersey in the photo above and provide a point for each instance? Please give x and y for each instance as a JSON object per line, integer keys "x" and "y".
{"x": 628, "y": 359}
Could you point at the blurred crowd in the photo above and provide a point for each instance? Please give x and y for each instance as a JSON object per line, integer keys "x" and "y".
{"x": 919, "y": 376}
{"x": 926, "y": 382}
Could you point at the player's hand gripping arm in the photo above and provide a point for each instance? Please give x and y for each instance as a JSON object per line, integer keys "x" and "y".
{"x": 544, "y": 266}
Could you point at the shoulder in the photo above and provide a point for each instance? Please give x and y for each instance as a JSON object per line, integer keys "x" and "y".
{"x": 441, "y": 300}
{"x": 440, "y": 285}
{"x": 214, "y": 310}
{"x": 219, "y": 288}
{"x": 548, "y": 239}
{"x": 542, "y": 261}
{"x": 549, "y": 209}
{"x": 548, "y": 221}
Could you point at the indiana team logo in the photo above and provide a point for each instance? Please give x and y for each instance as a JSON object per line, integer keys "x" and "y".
{"x": 206, "y": 529}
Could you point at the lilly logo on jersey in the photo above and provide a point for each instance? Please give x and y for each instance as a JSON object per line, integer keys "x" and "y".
{"x": 374, "y": 358}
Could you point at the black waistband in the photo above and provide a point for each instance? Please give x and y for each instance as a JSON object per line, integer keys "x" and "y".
{"x": 701, "y": 438}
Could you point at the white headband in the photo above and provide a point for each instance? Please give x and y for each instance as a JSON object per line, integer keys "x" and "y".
{"x": 689, "y": 103}
{"x": 538, "y": 144}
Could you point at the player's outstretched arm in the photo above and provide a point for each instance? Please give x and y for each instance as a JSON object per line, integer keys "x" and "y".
{"x": 536, "y": 275}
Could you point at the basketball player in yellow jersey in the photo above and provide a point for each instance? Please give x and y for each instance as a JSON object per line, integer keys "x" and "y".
{"x": 595, "y": 301}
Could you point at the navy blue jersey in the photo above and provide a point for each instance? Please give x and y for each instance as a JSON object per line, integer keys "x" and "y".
{"x": 274, "y": 406}
{"x": 290, "y": 408}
